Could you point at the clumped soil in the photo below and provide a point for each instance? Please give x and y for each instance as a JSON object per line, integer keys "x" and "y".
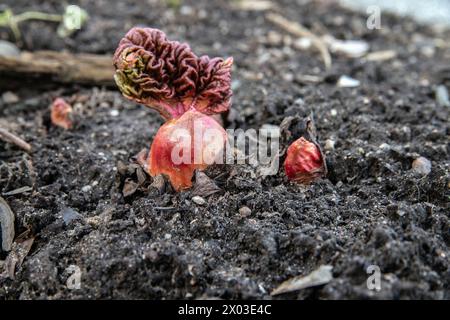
{"x": 372, "y": 209}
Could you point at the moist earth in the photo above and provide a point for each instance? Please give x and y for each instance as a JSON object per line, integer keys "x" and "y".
{"x": 371, "y": 209}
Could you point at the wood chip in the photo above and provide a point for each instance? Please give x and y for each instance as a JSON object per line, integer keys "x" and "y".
{"x": 300, "y": 31}
{"x": 12, "y": 138}
{"x": 18, "y": 191}
{"x": 381, "y": 55}
{"x": 318, "y": 277}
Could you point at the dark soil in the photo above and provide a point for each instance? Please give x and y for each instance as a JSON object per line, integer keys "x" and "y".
{"x": 372, "y": 209}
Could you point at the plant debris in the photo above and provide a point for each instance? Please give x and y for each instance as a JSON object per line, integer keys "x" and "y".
{"x": 7, "y": 225}
{"x": 12, "y": 138}
{"x": 19, "y": 250}
{"x": 318, "y": 277}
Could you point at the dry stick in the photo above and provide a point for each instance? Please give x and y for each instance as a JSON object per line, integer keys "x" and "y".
{"x": 61, "y": 67}
{"x": 301, "y": 31}
{"x": 12, "y": 138}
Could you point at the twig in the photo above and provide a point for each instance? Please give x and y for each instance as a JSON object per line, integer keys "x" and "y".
{"x": 61, "y": 67}
{"x": 12, "y": 138}
{"x": 301, "y": 31}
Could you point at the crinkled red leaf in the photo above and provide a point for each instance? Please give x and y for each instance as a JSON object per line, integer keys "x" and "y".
{"x": 167, "y": 76}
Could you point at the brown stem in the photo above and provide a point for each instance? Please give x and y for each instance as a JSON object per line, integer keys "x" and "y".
{"x": 12, "y": 138}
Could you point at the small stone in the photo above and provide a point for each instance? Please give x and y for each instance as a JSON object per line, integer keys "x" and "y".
{"x": 69, "y": 215}
{"x": 348, "y": 82}
{"x": 245, "y": 211}
{"x": 274, "y": 38}
{"x": 199, "y": 200}
{"x": 442, "y": 96}
{"x": 8, "y": 49}
{"x": 329, "y": 144}
{"x": 333, "y": 112}
{"x": 422, "y": 166}
{"x": 302, "y": 43}
{"x": 9, "y": 97}
{"x": 235, "y": 84}
{"x": 114, "y": 113}
{"x": 384, "y": 146}
{"x": 186, "y": 10}
{"x": 350, "y": 48}
{"x": 86, "y": 189}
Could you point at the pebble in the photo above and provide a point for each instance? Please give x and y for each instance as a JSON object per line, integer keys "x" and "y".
{"x": 348, "y": 82}
{"x": 114, "y": 113}
{"x": 329, "y": 144}
{"x": 8, "y": 49}
{"x": 8, "y": 97}
{"x": 302, "y": 43}
{"x": 384, "y": 146}
{"x": 422, "y": 166}
{"x": 245, "y": 211}
{"x": 442, "y": 96}
{"x": 350, "y": 48}
{"x": 186, "y": 10}
{"x": 235, "y": 84}
{"x": 86, "y": 189}
{"x": 318, "y": 277}
{"x": 199, "y": 200}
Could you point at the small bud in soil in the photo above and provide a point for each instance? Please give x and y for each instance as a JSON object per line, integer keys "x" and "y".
{"x": 61, "y": 114}
{"x": 192, "y": 141}
{"x": 304, "y": 162}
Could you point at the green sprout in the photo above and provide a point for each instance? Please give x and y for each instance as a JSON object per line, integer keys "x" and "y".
{"x": 73, "y": 19}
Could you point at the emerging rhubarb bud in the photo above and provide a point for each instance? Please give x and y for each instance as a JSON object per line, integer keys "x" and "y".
{"x": 185, "y": 89}
{"x": 61, "y": 114}
{"x": 192, "y": 141}
{"x": 304, "y": 159}
{"x": 167, "y": 76}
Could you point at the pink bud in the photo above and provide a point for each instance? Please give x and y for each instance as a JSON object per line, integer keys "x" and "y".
{"x": 192, "y": 141}
{"x": 304, "y": 162}
{"x": 61, "y": 113}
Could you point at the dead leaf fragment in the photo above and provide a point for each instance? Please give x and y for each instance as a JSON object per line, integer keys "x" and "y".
{"x": 20, "y": 249}
{"x": 318, "y": 277}
{"x": 129, "y": 188}
{"x": 7, "y": 225}
{"x": 159, "y": 183}
{"x": 204, "y": 185}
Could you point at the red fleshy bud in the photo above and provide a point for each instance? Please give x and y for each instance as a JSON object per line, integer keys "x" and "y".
{"x": 192, "y": 141}
{"x": 61, "y": 113}
{"x": 304, "y": 162}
